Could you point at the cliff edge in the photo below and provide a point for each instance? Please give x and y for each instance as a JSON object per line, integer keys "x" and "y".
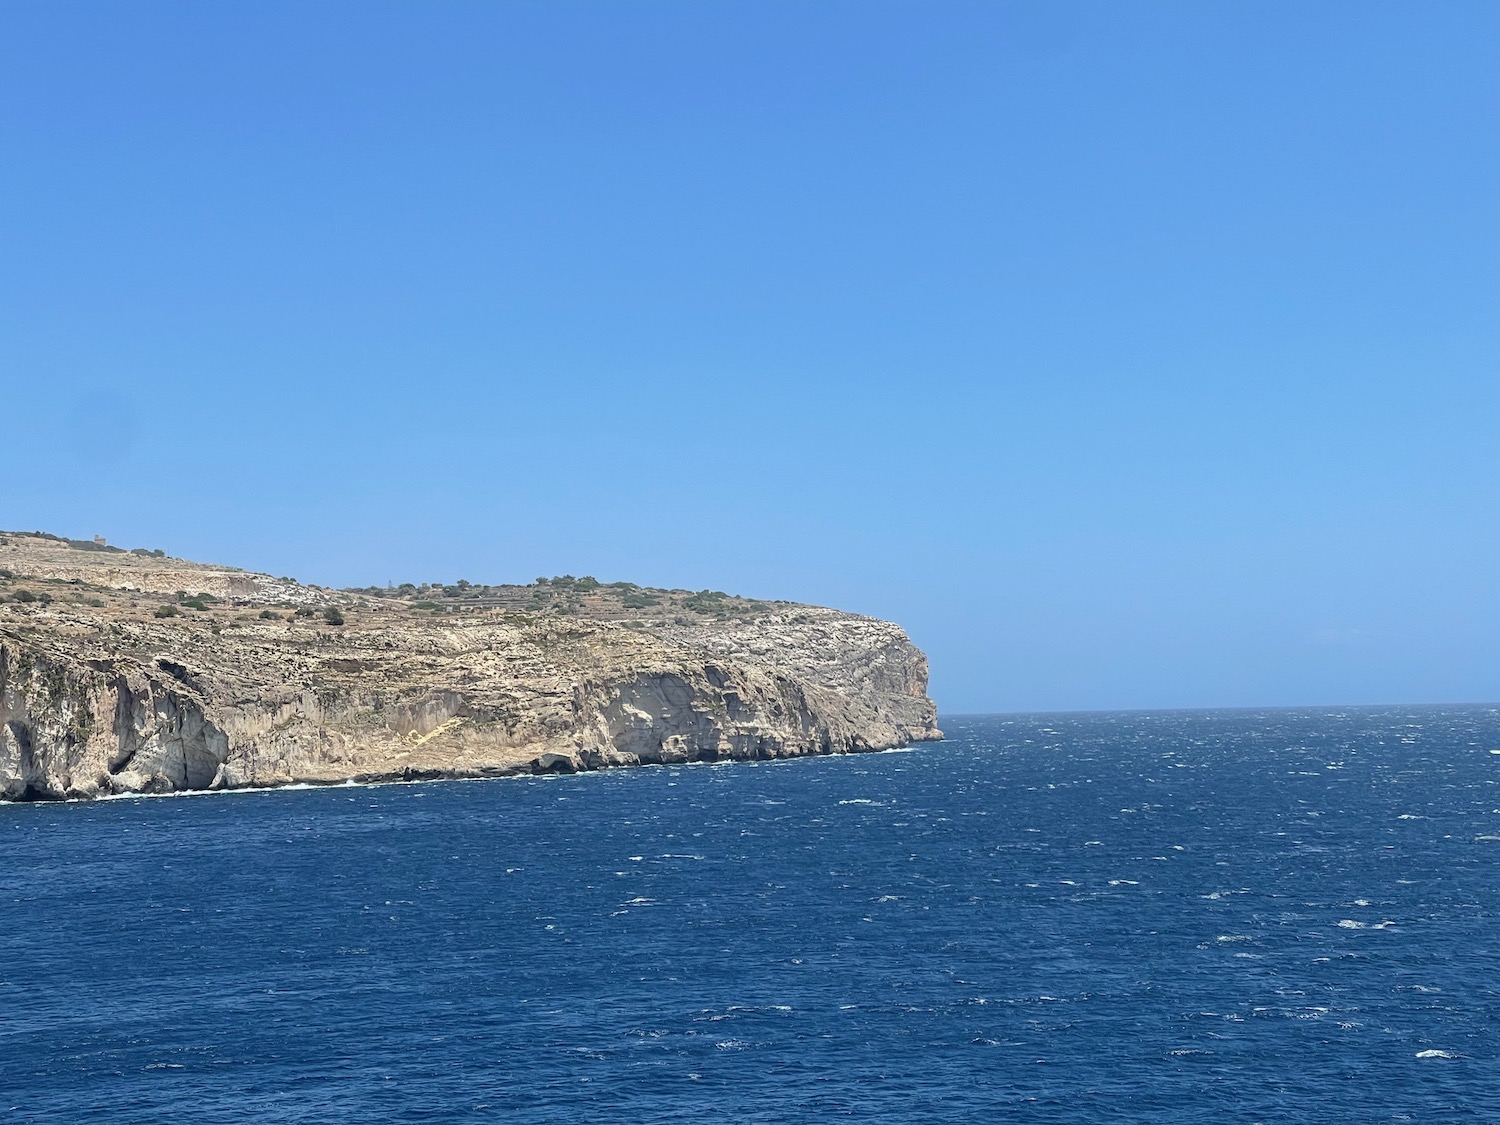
{"x": 133, "y": 672}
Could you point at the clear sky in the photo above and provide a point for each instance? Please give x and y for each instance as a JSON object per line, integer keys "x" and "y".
{"x": 1129, "y": 354}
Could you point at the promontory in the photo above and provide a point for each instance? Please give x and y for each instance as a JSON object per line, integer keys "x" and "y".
{"x": 134, "y": 672}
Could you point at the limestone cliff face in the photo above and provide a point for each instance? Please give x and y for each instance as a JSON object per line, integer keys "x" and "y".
{"x": 105, "y": 687}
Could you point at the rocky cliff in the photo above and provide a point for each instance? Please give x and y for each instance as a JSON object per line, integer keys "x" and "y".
{"x": 126, "y": 672}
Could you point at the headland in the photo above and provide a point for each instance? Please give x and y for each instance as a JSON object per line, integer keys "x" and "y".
{"x": 130, "y": 671}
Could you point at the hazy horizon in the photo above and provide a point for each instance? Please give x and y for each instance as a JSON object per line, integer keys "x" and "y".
{"x": 1130, "y": 356}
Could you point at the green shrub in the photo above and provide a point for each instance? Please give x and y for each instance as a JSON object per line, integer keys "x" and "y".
{"x": 24, "y": 596}
{"x": 166, "y": 611}
{"x": 90, "y": 545}
{"x": 269, "y": 615}
{"x": 333, "y": 616}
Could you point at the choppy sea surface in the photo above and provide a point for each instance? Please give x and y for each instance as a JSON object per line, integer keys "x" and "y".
{"x": 1255, "y": 916}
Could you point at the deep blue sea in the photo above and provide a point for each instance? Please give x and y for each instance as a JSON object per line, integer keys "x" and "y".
{"x": 1239, "y": 916}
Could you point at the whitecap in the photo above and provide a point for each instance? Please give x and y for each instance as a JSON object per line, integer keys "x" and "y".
{"x": 1438, "y": 1055}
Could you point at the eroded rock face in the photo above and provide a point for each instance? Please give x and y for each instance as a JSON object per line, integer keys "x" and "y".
{"x": 100, "y": 695}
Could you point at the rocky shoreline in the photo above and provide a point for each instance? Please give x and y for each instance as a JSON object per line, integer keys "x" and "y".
{"x": 132, "y": 672}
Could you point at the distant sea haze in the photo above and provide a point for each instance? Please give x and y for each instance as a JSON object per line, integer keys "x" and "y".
{"x": 1257, "y": 916}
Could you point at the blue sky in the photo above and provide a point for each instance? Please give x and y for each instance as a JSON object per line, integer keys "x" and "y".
{"x": 1129, "y": 354}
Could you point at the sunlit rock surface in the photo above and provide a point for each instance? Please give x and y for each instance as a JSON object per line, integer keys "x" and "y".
{"x": 127, "y": 672}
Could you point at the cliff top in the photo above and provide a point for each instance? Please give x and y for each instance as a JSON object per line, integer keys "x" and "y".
{"x": 37, "y": 568}
{"x": 246, "y": 628}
